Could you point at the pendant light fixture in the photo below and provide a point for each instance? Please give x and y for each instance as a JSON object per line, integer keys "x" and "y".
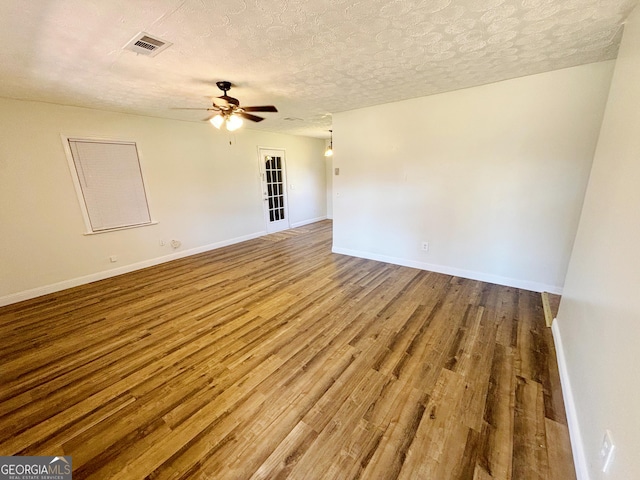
{"x": 329, "y": 151}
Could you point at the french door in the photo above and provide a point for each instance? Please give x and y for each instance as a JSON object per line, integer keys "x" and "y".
{"x": 274, "y": 189}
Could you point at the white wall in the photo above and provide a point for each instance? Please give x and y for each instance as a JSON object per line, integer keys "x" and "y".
{"x": 202, "y": 191}
{"x": 599, "y": 318}
{"x": 329, "y": 177}
{"x": 493, "y": 177}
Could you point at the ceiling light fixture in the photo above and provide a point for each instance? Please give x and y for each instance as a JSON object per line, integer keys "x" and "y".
{"x": 329, "y": 151}
{"x": 231, "y": 121}
{"x": 234, "y": 122}
{"x": 217, "y": 121}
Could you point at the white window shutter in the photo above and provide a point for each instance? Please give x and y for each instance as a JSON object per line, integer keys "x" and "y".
{"x": 111, "y": 181}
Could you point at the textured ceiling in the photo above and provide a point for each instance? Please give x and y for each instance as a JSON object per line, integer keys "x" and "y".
{"x": 309, "y": 58}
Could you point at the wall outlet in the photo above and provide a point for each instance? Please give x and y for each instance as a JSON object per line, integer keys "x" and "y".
{"x": 606, "y": 451}
{"x": 113, "y": 258}
{"x": 424, "y": 246}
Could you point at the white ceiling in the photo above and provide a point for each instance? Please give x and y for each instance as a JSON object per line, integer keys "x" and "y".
{"x": 309, "y": 58}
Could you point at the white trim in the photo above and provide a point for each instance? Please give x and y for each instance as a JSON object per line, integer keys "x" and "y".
{"x": 457, "y": 272}
{"x": 74, "y": 282}
{"x": 76, "y": 181}
{"x": 127, "y": 227}
{"x": 307, "y": 222}
{"x": 577, "y": 446}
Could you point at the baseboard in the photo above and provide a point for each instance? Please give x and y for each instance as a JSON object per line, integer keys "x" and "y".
{"x": 577, "y": 446}
{"x": 546, "y": 307}
{"x": 456, "y": 272}
{"x": 94, "y": 277}
{"x": 307, "y": 222}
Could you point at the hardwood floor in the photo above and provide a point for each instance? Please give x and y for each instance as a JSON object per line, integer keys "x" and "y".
{"x": 275, "y": 358}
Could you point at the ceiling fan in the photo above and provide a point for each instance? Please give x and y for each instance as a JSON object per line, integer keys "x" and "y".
{"x": 229, "y": 112}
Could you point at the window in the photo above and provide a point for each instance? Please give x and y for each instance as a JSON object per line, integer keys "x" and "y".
{"x": 110, "y": 184}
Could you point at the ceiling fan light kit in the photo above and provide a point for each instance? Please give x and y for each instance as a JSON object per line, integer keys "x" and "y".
{"x": 234, "y": 122}
{"x": 231, "y": 122}
{"x": 217, "y": 121}
{"x": 229, "y": 112}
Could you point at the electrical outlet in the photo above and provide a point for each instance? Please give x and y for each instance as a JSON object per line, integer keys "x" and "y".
{"x": 606, "y": 451}
{"x": 425, "y": 246}
{"x": 113, "y": 258}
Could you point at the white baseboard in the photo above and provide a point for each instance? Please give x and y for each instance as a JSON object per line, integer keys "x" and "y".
{"x": 74, "y": 282}
{"x": 577, "y": 446}
{"x": 456, "y": 272}
{"x": 307, "y": 222}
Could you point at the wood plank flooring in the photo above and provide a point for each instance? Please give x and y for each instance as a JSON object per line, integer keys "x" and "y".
{"x": 275, "y": 358}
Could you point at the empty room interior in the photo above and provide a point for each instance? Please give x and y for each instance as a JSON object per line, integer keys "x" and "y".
{"x": 332, "y": 239}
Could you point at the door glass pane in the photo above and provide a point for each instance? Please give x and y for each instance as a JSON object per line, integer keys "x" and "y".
{"x": 275, "y": 188}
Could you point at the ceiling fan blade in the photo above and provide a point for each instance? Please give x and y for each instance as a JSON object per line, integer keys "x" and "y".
{"x": 263, "y": 108}
{"x": 248, "y": 116}
{"x": 220, "y": 102}
{"x": 226, "y": 100}
{"x": 190, "y": 108}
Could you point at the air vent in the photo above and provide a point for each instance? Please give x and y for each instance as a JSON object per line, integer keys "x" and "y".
{"x": 145, "y": 44}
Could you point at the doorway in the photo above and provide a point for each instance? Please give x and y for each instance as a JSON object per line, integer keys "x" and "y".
{"x": 274, "y": 189}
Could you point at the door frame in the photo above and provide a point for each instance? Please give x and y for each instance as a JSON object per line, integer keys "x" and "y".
{"x": 286, "y": 223}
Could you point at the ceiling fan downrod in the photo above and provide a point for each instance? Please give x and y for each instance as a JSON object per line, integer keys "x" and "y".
{"x": 224, "y": 86}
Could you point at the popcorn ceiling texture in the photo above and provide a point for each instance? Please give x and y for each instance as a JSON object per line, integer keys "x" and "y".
{"x": 309, "y": 58}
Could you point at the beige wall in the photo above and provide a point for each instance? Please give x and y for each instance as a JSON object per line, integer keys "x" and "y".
{"x": 599, "y": 318}
{"x": 329, "y": 176}
{"x": 202, "y": 191}
{"x": 493, "y": 177}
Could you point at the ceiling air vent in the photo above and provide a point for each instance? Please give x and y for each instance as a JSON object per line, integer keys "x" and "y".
{"x": 145, "y": 44}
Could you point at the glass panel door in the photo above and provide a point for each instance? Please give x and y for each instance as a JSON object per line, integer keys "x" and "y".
{"x": 274, "y": 189}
